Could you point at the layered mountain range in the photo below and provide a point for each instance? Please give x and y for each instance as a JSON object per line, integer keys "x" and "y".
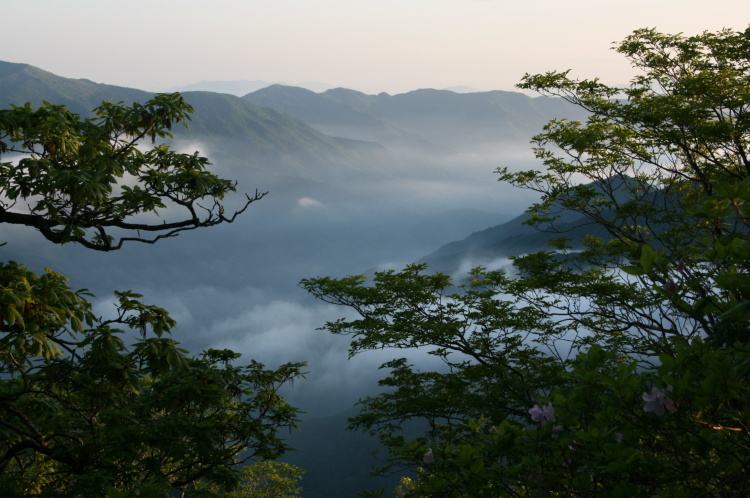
{"x": 292, "y": 135}
{"x": 427, "y": 120}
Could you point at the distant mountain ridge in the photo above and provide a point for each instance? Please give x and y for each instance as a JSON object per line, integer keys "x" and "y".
{"x": 238, "y": 88}
{"x": 426, "y": 120}
{"x": 20, "y": 83}
{"x": 339, "y": 130}
{"x": 262, "y": 134}
{"x": 335, "y": 117}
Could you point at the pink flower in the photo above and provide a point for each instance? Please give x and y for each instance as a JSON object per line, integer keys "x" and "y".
{"x": 543, "y": 415}
{"x": 657, "y": 402}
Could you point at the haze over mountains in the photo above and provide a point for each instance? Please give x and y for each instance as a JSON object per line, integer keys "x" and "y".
{"x": 356, "y": 182}
{"x": 427, "y": 121}
{"x": 240, "y": 88}
{"x": 432, "y": 147}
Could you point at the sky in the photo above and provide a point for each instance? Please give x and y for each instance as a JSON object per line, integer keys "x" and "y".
{"x": 389, "y": 46}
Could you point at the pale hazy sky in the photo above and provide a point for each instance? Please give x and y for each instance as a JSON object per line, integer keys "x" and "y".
{"x": 372, "y": 46}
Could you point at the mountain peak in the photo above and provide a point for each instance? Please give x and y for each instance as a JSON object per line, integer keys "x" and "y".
{"x": 281, "y": 89}
{"x": 341, "y": 91}
{"x": 235, "y": 87}
{"x": 10, "y": 68}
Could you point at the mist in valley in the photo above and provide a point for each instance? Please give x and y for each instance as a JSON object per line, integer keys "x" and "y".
{"x": 236, "y": 285}
{"x": 354, "y": 200}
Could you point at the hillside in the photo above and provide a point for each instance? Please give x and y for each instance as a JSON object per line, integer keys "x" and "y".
{"x": 257, "y": 134}
{"x": 513, "y": 238}
{"x": 20, "y": 83}
{"x": 299, "y": 127}
{"x": 491, "y": 246}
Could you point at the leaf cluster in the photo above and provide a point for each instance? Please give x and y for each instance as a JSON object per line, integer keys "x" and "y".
{"x": 97, "y": 181}
{"x": 94, "y": 406}
{"x": 83, "y": 411}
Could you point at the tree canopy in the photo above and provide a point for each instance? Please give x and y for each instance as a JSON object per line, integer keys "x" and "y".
{"x": 620, "y": 369}
{"x": 113, "y": 406}
{"x": 90, "y": 180}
